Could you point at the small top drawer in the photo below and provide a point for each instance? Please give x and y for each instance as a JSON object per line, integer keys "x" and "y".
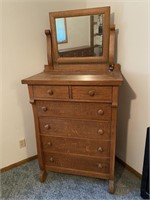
{"x": 92, "y": 92}
{"x": 52, "y": 92}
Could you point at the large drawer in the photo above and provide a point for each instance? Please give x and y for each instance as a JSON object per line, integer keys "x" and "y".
{"x": 85, "y": 163}
{"x": 76, "y": 146}
{"x": 92, "y": 93}
{"x": 51, "y": 92}
{"x": 74, "y": 128}
{"x": 74, "y": 110}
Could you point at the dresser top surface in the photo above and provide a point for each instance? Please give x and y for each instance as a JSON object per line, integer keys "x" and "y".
{"x": 76, "y": 78}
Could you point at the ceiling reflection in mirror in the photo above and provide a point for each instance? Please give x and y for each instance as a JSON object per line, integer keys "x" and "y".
{"x": 80, "y": 36}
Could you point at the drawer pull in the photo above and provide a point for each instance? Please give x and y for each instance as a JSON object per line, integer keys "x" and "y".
{"x": 51, "y": 159}
{"x": 50, "y": 92}
{"x": 100, "y": 112}
{"x": 47, "y": 126}
{"x": 100, "y": 131}
{"x": 91, "y": 93}
{"x": 100, "y": 149}
{"x": 99, "y": 166}
{"x": 49, "y": 144}
{"x": 44, "y": 109}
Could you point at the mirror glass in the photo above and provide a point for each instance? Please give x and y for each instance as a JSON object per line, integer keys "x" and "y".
{"x": 80, "y": 36}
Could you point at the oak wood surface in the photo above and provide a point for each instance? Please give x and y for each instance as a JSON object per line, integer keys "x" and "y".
{"x": 87, "y": 163}
{"x": 37, "y": 131}
{"x": 92, "y": 92}
{"x": 52, "y": 92}
{"x": 49, "y": 49}
{"x": 76, "y": 110}
{"x": 101, "y": 77}
{"x": 54, "y": 126}
{"x": 95, "y": 174}
{"x": 76, "y": 146}
{"x": 113, "y": 130}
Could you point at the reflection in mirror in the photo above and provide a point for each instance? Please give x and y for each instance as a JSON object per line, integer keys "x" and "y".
{"x": 80, "y": 36}
{"x": 61, "y": 31}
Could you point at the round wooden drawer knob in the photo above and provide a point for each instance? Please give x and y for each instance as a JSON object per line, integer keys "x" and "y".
{"x": 100, "y": 149}
{"x": 47, "y": 126}
{"x": 50, "y": 92}
{"x": 51, "y": 159}
{"x": 49, "y": 144}
{"x": 99, "y": 166}
{"x": 91, "y": 93}
{"x": 44, "y": 109}
{"x": 100, "y": 131}
{"x": 100, "y": 112}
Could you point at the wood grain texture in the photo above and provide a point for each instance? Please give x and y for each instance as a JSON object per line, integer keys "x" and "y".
{"x": 75, "y": 104}
{"x": 74, "y": 110}
{"x": 92, "y": 92}
{"x": 76, "y": 146}
{"x": 95, "y": 174}
{"x": 37, "y": 131}
{"x": 101, "y": 77}
{"x": 113, "y": 130}
{"x": 77, "y": 162}
{"x": 54, "y": 126}
{"x": 112, "y": 45}
{"x": 51, "y": 92}
{"x": 49, "y": 49}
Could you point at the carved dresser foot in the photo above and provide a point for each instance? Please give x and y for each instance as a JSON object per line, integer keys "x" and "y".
{"x": 42, "y": 176}
{"x": 111, "y": 186}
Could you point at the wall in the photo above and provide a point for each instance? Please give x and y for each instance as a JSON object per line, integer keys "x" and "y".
{"x": 0, "y": 82}
{"x": 131, "y": 19}
{"x": 24, "y": 54}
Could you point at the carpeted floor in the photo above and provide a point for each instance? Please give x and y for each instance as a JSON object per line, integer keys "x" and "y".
{"x": 21, "y": 183}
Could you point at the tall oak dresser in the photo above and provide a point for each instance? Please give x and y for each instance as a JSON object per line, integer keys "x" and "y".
{"x": 75, "y": 101}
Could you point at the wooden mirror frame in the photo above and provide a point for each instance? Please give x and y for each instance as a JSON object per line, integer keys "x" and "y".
{"x": 82, "y": 12}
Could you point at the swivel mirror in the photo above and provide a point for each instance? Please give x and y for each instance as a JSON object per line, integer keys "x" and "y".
{"x": 80, "y": 36}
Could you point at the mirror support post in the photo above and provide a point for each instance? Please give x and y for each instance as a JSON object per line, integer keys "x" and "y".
{"x": 112, "y": 48}
{"x": 49, "y": 51}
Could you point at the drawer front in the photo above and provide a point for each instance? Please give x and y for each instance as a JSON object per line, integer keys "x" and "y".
{"x": 51, "y": 92}
{"x": 74, "y": 110}
{"x": 76, "y": 146}
{"x": 92, "y": 93}
{"x": 74, "y": 128}
{"x": 85, "y": 163}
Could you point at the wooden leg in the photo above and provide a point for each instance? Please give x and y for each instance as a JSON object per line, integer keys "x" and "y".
{"x": 111, "y": 186}
{"x": 42, "y": 176}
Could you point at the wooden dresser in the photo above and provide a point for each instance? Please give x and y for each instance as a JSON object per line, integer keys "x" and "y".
{"x": 75, "y": 114}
